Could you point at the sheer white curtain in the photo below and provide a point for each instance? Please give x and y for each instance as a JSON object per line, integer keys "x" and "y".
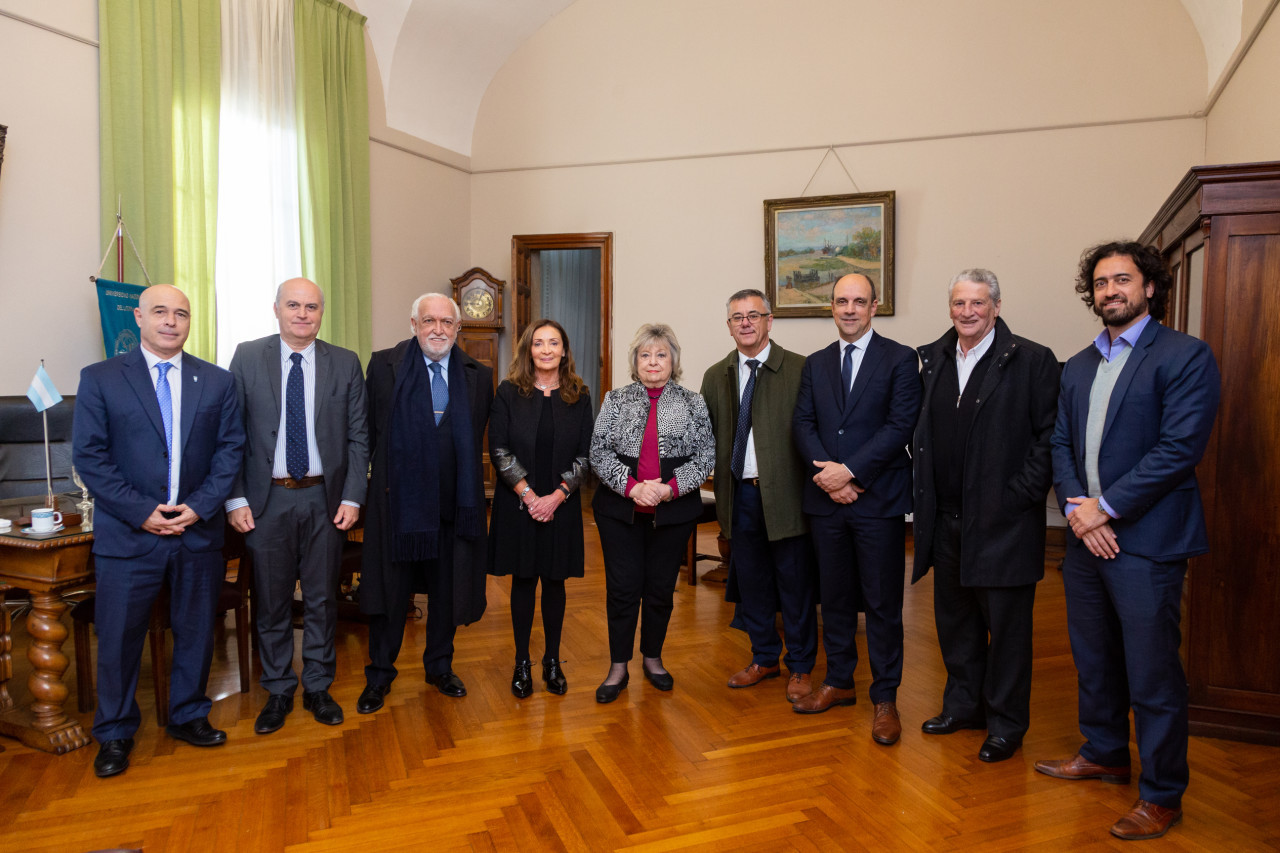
{"x": 258, "y": 226}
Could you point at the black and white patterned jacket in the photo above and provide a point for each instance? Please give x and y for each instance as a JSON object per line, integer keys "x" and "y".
{"x": 686, "y": 449}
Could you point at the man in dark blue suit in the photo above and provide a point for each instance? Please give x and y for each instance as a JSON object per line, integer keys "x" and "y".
{"x": 1134, "y": 415}
{"x": 858, "y": 402}
{"x": 157, "y": 439}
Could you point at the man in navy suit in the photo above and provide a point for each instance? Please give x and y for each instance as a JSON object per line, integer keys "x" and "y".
{"x": 157, "y": 439}
{"x": 858, "y": 402}
{"x": 1134, "y": 415}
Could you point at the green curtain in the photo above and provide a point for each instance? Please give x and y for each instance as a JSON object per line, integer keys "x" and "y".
{"x": 159, "y": 69}
{"x": 332, "y": 97}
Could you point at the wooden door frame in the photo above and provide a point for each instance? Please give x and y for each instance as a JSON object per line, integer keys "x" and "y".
{"x": 521, "y": 272}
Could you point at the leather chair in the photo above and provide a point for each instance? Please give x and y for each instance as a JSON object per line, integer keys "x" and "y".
{"x": 233, "y": 596}
{"x": 22, "y": 471}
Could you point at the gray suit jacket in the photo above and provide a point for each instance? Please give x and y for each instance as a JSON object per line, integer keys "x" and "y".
{"x": 340, "y": 427}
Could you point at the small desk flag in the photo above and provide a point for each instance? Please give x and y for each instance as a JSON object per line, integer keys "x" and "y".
{"x": 42, "y": 394}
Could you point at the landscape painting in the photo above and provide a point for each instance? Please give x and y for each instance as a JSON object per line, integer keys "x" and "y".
{"x": 811, "y": 242}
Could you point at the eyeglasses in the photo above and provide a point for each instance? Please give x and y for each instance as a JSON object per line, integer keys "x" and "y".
{"x": 753, "y": 316}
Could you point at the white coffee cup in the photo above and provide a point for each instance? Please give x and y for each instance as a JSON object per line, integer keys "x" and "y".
{"x": 44, "y": 520}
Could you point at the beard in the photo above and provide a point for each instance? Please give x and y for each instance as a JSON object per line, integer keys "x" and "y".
{"x": 1120, "y": 313}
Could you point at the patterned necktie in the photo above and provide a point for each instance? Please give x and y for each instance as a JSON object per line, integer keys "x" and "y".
{"x": 164, "y": 396}
{"x": 439, "y": 391}
{"x": 296, "y": 458}
{"x": 846, "y": 370}
{"x": 743, "y": 428}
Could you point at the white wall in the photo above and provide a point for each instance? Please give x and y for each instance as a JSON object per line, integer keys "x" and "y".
{"x": 638, "y": 86}
{"x": 48, "y": 194}
{"x": 1244, "y": 125}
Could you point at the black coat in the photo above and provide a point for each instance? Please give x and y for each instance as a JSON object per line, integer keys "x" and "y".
{"x": 513, "y": 434}
{"x": 377, "y": 579}
{"x": 1007, "y": 469}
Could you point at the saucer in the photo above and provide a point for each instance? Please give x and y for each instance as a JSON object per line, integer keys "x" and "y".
{"x": 30, "y": 532}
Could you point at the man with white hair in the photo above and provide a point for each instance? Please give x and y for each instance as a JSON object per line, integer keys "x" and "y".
{"x": 982, "y": 471}
{"x": 425, "y": 517}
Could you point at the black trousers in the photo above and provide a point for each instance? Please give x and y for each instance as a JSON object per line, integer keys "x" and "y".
{"x": 295, "y": 540}
{"x": 386, "y": 630}
{"x": 641, "y": 564}
{"x": 773, "y": 576}
{"x": 984, "y": 634}
{"x": 857, "y": 553}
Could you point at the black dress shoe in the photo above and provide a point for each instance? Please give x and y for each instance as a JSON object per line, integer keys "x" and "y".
{"x": 522, "y": 679}
{"x": 371, "y": 698}
{"x": 660, "y": 680}
{"x": 322, "y": 707}
{"x": 273, "y": 713}
{"x": 448, "y": 683}
{"x": 553, "y": 677}
{"x": 113, "y": 757}
{"x": 197, "y": 732}
{"x": 996, "y": 748}
{"x": 945, "y": 724}
{"x": 606, "y": 693}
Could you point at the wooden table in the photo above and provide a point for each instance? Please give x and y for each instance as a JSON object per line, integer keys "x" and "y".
{"x": 46, "y": 567}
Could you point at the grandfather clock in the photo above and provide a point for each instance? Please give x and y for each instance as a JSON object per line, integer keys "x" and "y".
{"x": 479, "y": 295}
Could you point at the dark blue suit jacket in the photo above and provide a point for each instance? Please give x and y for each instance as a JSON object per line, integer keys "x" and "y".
{"x": 869, "y": 433}
{"x": 119, "y": 450}
{"x": 1158, "y": 423}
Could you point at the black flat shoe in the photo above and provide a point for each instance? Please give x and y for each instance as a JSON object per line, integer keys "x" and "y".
{"x": 553, "y": 677}
{"x": 448, "y": 683}
{"x": 606, "y": 693}
{"x": 998, "y": 749}
{"x": 371, "y": 698}
{"x": 197, "y": 732}
{"x": 660, "y": 680}
{"x": 945, "y": 724}
{"x": 113, "y": 757}
{"x": 522, "y": 679}
{"x": 322, "y": 707}
{"x": 273, "y": 713}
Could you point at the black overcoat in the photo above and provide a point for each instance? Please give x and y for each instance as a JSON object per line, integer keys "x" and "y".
{"x": 513, "y": 428}
{"x": 377, "y": 578}
{"x": 1007, "y": 468}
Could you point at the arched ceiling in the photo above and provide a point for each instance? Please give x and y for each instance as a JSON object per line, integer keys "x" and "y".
{"x": 436, "y": 58}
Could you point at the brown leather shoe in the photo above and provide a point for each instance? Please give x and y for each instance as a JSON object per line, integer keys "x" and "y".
{"x": 823, "y": 698}
{"x": 752, "y": 675}
{"x": 1079, "y": 767}
{"x": 799, "y": 686}
{"x": 1146, "y": 820}
{"x": 885, "y": 726}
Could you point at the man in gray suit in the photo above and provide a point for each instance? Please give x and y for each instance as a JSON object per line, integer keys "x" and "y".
{"x": 304, "y": 477}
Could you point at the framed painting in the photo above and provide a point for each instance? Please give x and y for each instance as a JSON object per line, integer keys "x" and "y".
{"x": 809, "y": 243}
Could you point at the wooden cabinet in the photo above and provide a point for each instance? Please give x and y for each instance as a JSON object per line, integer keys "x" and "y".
{"x": 1220, "y": 231}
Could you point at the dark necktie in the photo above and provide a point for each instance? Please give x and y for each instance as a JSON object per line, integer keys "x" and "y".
{"x": 743, "y": 428}
{"x": 846, "y": 370}
{"x": 164, "y": 396}
{"x": 296, "y": 458}
{"x": 439, "y": 391}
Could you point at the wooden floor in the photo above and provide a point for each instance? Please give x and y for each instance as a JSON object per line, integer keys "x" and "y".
{"x": 701, "y": 767}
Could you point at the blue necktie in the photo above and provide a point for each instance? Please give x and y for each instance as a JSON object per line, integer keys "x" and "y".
{"x": 743, "y": 428}
{"x": 439, "y": 391}
{"x": 164, "y": 396}
{"x": 846, "y": 370}
{"x": 296, "y": 458}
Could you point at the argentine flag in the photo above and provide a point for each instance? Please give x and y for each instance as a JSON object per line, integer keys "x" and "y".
{"x": 42, "y": 394}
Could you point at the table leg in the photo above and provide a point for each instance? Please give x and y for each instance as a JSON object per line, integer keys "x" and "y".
{"x": 6, "y": 656}
{"x": 45, "y": 725}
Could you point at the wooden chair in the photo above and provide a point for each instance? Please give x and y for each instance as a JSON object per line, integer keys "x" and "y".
{"x": 233, "y": 596}
{"x": 708, "y": 516}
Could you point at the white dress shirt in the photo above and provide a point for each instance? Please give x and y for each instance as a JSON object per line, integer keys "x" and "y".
{"x": 966, "y": 362}
{"x": 749, "y": 467}
{"x": 175, "y": 391}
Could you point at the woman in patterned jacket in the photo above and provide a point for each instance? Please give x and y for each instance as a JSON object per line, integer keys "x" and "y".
{"x": 651, "y": 448}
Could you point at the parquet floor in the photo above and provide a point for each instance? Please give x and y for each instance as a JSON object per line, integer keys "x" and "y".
{"x": 700, "y": 767}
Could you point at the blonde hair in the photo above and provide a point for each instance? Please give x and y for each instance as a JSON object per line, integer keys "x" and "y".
{"x": 647, "y": 334}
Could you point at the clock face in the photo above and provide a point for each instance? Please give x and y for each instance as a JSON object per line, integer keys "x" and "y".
{"x": 478, "y": 304}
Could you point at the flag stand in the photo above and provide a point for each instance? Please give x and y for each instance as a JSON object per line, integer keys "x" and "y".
{"x": 122, "y": 231}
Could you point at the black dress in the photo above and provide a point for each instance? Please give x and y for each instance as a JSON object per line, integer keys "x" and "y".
{"x": 546, "y": 442}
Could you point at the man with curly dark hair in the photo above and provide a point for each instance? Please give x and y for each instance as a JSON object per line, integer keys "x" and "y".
{"x": 1134, "y": 416}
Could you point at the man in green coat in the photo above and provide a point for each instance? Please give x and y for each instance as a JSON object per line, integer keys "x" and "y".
{"x": 759, "y": 478}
